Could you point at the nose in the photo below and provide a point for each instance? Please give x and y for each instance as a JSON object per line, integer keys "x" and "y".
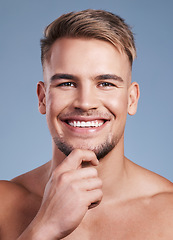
{"x": 86, "y": 98}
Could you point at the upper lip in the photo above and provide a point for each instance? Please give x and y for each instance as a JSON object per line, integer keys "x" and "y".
{"x": 84, "y": 118}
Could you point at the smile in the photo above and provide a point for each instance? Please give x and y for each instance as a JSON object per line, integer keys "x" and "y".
{"x": 86, "y": 124}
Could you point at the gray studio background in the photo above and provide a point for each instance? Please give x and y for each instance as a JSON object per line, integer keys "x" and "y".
{"x": 25, "y": 142}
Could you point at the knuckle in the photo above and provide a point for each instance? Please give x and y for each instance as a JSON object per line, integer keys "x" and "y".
{"x": 93, "y": 172}
{"x": 56, "y": 172}
{"x": 100, "y": 193}
{"x": 64, "y": 177}
{"x": 74, "y": 186}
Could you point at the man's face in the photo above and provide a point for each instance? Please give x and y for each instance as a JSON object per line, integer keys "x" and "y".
{"x": 86, "y": 94}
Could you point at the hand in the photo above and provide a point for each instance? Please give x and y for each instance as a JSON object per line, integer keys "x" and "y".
{"x": 68, "y": 195}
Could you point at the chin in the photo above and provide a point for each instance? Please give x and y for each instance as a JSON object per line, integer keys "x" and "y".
{"x": 101, "y": 150}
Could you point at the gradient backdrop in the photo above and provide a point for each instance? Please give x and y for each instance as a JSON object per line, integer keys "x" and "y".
{"x": 25, "y": 142}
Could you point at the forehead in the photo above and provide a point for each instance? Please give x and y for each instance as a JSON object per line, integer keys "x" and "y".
{"x": 84, "y": 57}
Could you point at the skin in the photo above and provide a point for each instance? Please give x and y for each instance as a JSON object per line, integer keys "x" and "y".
{"x": 77, "y": 196}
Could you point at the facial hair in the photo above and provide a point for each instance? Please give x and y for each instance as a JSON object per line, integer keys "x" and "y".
{"x": 101, "y": 151}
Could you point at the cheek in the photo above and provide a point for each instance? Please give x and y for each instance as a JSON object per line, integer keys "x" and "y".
{"x": 117, "y": 104}
{"x": 54, "y": 106}
{"x": 55, "y": 103}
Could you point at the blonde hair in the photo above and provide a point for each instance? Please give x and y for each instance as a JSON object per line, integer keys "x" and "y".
{"x": 98, "y": 24}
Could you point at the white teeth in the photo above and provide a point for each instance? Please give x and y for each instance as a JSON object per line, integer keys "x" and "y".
{"x": 78, "y": 124}
{"x": 85, "y": 124}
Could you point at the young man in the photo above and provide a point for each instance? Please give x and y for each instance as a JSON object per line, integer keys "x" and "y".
{"x": 89, "y": 189}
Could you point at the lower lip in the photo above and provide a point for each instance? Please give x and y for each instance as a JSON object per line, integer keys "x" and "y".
{"x": 85, "y": 130}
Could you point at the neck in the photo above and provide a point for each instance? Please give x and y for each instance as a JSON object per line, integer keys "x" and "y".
{"x": 112, "y": 171}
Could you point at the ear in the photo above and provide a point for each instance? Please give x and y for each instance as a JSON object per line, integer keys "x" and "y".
{"x": 133, "y": 98}
{"x": 41, "y": 97}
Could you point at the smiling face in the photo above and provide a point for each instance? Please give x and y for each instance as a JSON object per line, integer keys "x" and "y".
{"x": 86, "y": 95}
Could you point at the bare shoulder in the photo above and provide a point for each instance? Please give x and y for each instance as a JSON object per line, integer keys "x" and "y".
{"x": 14, "y": 197}
{"x": 147, "y": 182}
{"x": 18, "y": 206}
{"x": 161, "y": 211}
{"x": 22, "y": 193}
{"x": 163, "y": 199}
{"x": 151, "y": 202}
{"x": 156, "y": 189}
{"x": 11, "y": 193}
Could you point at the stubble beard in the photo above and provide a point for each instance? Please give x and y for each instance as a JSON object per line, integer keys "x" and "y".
{"x": 101, "y": 150}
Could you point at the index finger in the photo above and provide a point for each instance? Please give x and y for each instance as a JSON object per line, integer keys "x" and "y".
{"x": 77, "y": 156}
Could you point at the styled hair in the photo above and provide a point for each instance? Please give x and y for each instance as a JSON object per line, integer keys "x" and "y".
{"x": 97, "y": 24}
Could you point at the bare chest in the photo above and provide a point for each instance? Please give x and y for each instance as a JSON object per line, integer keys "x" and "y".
{"x": 129, "y": 226}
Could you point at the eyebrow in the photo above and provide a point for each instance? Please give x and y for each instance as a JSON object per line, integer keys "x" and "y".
{"x": 72, "y": 77}
{"x": 109, "y": 76}
{"x": 62, "y": 76}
